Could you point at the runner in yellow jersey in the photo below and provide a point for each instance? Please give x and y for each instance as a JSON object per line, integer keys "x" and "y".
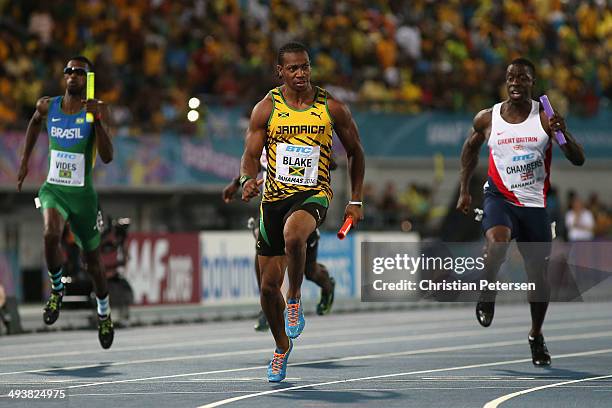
{"x": 294, "y": 123}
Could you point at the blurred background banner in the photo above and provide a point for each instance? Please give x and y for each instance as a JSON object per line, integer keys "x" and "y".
{"x": 228, "y": 266}
{"x": 163, "y": 268}
{"x": 170, "y": 159}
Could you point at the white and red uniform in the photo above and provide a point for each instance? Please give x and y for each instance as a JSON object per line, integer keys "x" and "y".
{"x": 519, "y": 159}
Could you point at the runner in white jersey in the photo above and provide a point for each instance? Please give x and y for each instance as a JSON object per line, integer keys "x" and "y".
{"x": 519, "y": 136}
{"x": 519, "y": 159}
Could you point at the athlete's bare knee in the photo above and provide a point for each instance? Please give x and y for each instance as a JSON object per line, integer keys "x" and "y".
{"x": 269, "y": 287}
{"x": 294, "y": 243}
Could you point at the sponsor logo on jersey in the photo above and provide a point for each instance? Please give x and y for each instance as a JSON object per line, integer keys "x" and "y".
{"x": 299, "y": 149}
{"x": 523, "y": 157}
{"x": 66, "y": 155}
{"x": 318, "y": 115}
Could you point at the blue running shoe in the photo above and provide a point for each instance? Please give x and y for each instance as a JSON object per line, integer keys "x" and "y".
{"x": 294, "y": 318}
{"x": 277, "y": 369}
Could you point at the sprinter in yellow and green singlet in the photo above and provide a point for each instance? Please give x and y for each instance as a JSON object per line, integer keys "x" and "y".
{"x": 294, "y": 123}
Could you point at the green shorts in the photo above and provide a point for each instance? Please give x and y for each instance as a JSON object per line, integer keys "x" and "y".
{"x": 79, "y": 208}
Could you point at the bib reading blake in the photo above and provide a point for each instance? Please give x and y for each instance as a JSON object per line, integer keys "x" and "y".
{"x": 66, "y": 168}
{"x": 297, "y": 164}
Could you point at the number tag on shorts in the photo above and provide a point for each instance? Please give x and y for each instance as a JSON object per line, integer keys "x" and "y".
{"x": 66, "y": 169}
{"x": 297, "y": 164}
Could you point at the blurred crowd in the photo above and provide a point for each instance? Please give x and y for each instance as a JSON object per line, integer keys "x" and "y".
{"x": 152, "y": 55}
{"x": 416, "y": 209}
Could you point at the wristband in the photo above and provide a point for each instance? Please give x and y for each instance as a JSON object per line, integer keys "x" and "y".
{"x": 244, "y": 179}
{"x": 359, "y": 203}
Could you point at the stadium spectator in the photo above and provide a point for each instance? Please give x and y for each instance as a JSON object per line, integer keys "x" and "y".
{"x": 402, "y": 56}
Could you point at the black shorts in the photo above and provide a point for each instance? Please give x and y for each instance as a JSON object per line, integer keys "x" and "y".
{"x": 273, "y": 215}
{"x": 528, "y": 224}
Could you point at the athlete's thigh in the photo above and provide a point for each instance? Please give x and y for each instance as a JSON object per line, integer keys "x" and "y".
{"x": 314, "y": 203}
{"x": 270, "y": 240}
{"x": 534, "y": 225}
{"x": 54, "y": 208}
{"x": 84, "y": 221}
{"x": 496, "y": 212}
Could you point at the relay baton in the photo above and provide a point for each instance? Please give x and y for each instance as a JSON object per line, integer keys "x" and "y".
{"x": 549, "y": 112}
{"x": 91, "y": 78}
{"x": 346, "y": 227}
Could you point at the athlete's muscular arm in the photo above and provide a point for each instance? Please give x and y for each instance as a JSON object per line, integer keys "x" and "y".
{"x": 346, "y": 129}
{"x": 469, "y": 156}
{"x": 572, "y": 149}
{"x": 253, "y": 145}
{"x": 40, "y": 114}
{"x": 102, "y": 130}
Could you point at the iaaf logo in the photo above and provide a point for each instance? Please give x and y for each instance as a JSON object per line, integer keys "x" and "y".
{"x": 299, "y": 149}
{"x": 151, "y": 263}
{"x": 523, "y": 157}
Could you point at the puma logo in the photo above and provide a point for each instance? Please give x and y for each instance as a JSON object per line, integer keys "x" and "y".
{"x": 318, "y": 115}
{"x": 318, "y": 215}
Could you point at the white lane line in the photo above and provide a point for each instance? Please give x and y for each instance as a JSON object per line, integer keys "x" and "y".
{"x": 241, "y": 339}
{"x": 496, "y": 402}
{"x": 170, "y": 343}
{"x": 226, "y": 332}
{"x": 137, "y": 336}
{"x": 394, "y": 339}
{"x": 358, "y": 357}
{"x": 375, "y": 377}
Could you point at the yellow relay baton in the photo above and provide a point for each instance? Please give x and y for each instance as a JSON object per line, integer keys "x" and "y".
{"x": 91, "y": 79}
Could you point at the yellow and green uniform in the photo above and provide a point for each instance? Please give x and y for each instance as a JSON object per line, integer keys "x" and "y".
{"x": 69, "y": 185}
{"x": 298, "y": 149}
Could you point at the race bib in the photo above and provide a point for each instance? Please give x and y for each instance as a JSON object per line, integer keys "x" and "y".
{"x": 297, "y": 164}
{"x": 66, "y": 169}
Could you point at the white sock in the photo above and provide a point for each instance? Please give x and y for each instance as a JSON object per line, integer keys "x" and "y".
{"x": 103, "y": 306}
